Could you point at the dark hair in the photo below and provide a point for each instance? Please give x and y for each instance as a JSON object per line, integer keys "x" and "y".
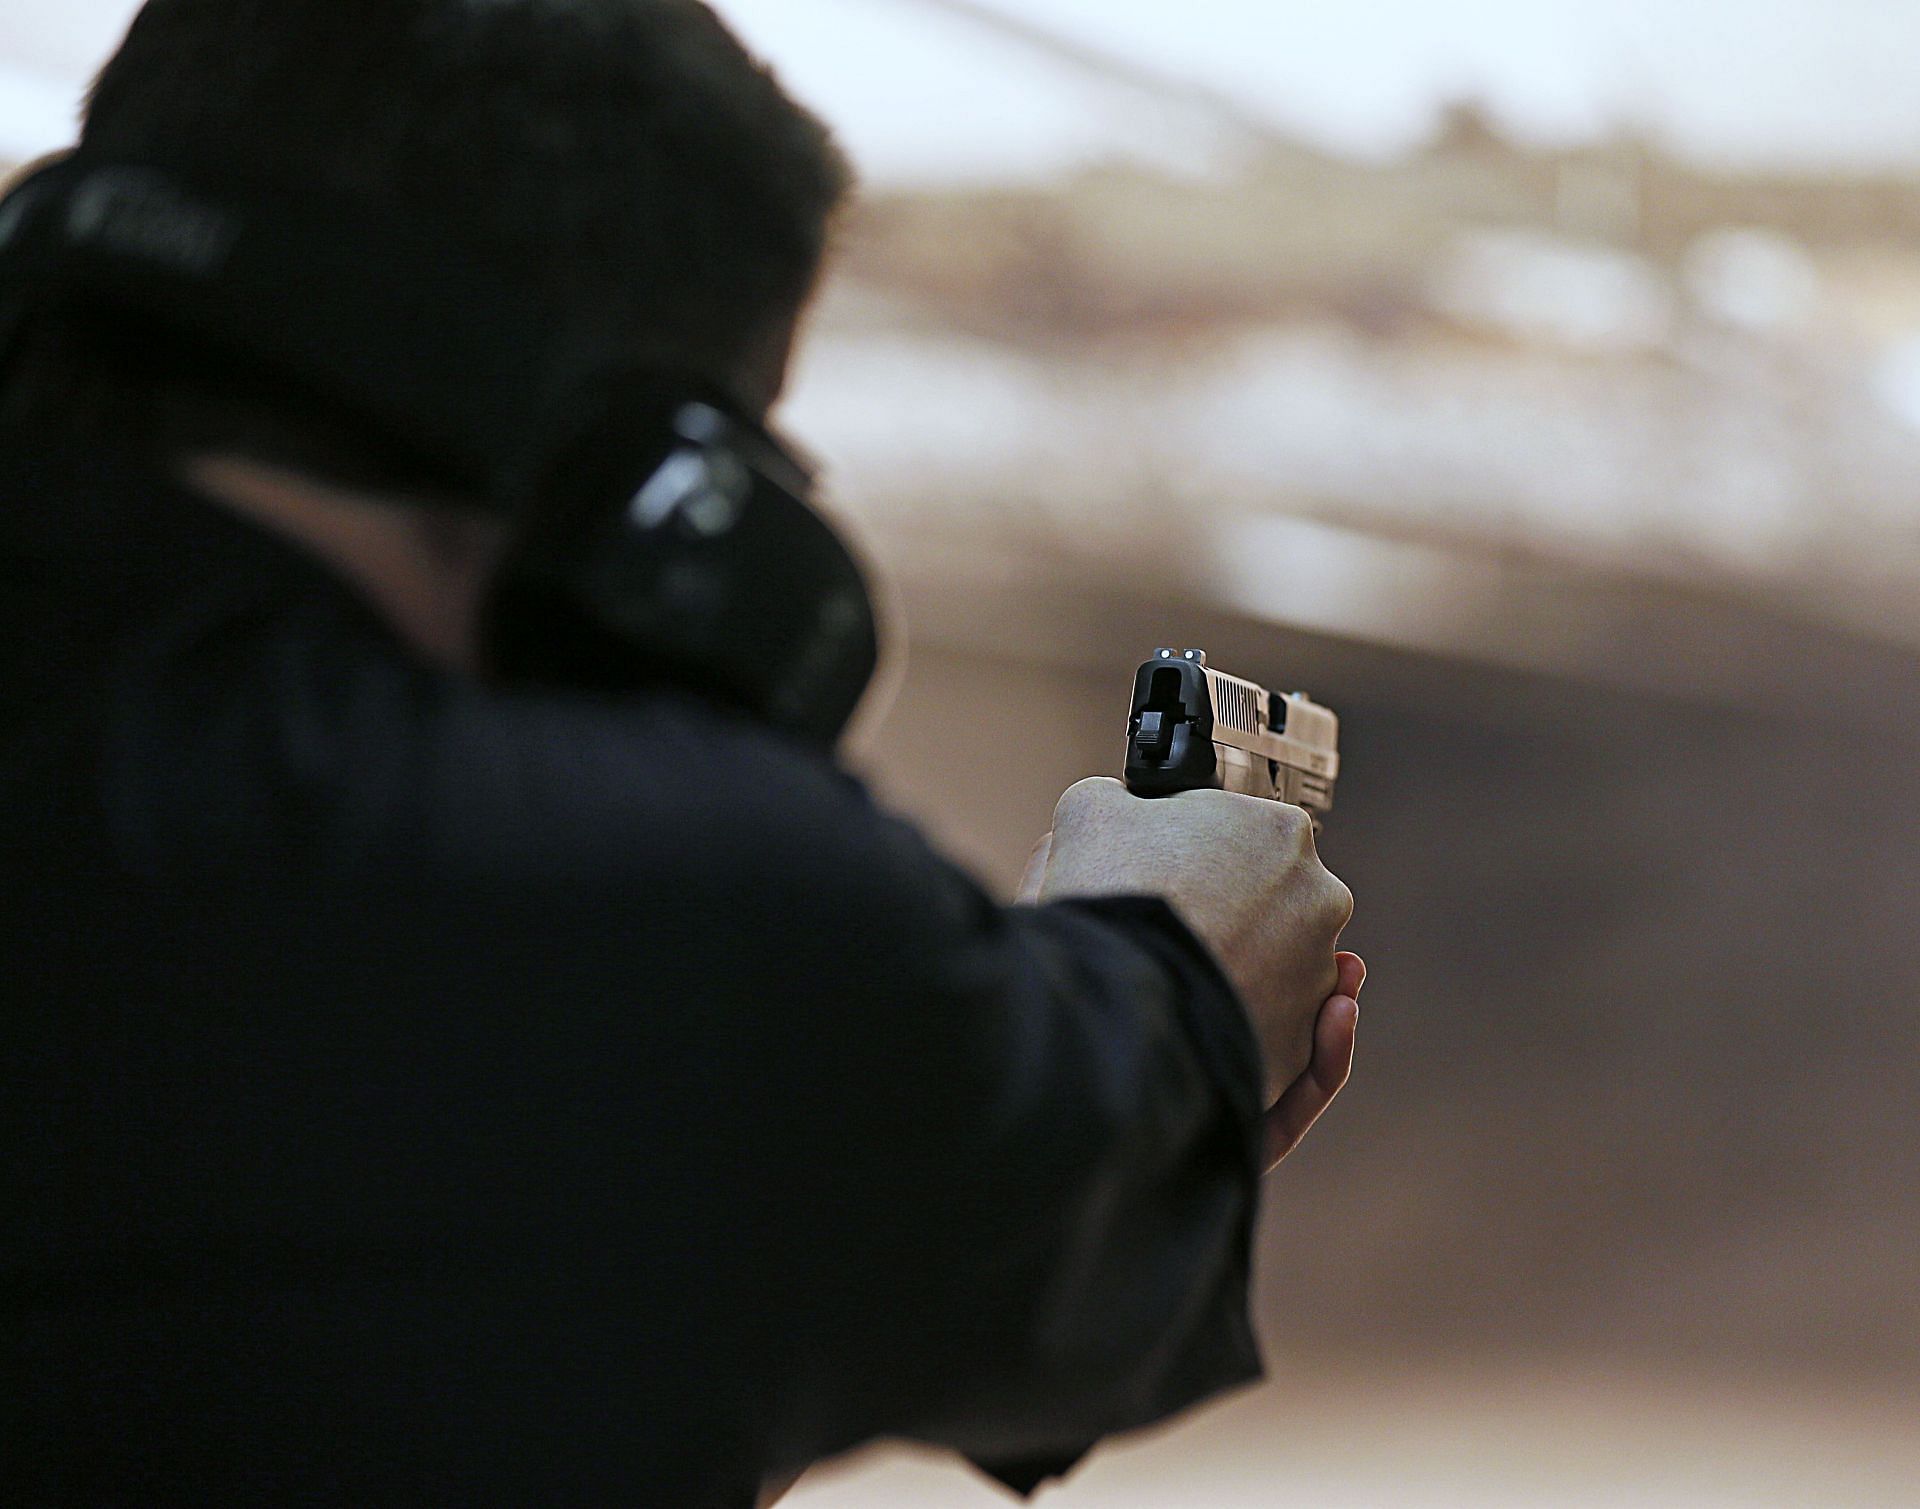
{"x": 626, "y": 158}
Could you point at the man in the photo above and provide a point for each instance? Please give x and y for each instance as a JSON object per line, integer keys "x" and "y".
{"x": 429, "y": 1086}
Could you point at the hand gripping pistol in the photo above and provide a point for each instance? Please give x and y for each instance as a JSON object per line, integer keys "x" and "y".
{"x": 1195, "y": 728}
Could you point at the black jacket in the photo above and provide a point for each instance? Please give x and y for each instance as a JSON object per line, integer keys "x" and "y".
{"x": 416, "y": 1093}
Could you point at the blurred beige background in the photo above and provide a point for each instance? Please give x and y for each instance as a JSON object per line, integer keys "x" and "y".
{"x": 1539, "y": 385}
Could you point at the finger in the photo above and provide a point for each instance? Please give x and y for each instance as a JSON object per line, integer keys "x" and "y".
{"x": 1353, "y": 974}
{"x": 1035, "y": 876}
{"x": 1309, "y": 1096}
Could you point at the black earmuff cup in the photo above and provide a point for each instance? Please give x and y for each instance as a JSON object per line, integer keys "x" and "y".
{"x": 713, "y": 574}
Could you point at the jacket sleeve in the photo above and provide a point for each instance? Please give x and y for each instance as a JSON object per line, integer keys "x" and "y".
{"x": 1075, "y": 1260}
{"x": 979, "y": 1176}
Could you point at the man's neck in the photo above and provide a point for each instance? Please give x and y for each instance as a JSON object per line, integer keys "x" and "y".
{"x": 424, "y": 566}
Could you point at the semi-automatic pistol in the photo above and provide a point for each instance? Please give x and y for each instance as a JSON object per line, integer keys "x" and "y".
{"x": 1195, "y": 728}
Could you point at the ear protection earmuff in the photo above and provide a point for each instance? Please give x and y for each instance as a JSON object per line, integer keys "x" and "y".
{"x": 663, "y": 536}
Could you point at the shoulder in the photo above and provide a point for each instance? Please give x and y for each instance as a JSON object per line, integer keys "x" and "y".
{"x": 283, "y": 739}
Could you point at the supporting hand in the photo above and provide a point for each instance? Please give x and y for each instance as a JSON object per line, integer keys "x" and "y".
{"x": 1333, "y": 1040}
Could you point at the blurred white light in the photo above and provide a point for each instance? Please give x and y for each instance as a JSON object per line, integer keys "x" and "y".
{"x": 1753, "y": 280}
{"x": 1310, "y": 575}
{"x": 1896, "y": 380}
{"x": 1554, "y": 291}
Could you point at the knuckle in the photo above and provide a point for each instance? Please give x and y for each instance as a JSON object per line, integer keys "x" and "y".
{"x": 1292, "y": 823}
{"x": 1339, "y": 901}
{"x": 1083, "y": 798}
